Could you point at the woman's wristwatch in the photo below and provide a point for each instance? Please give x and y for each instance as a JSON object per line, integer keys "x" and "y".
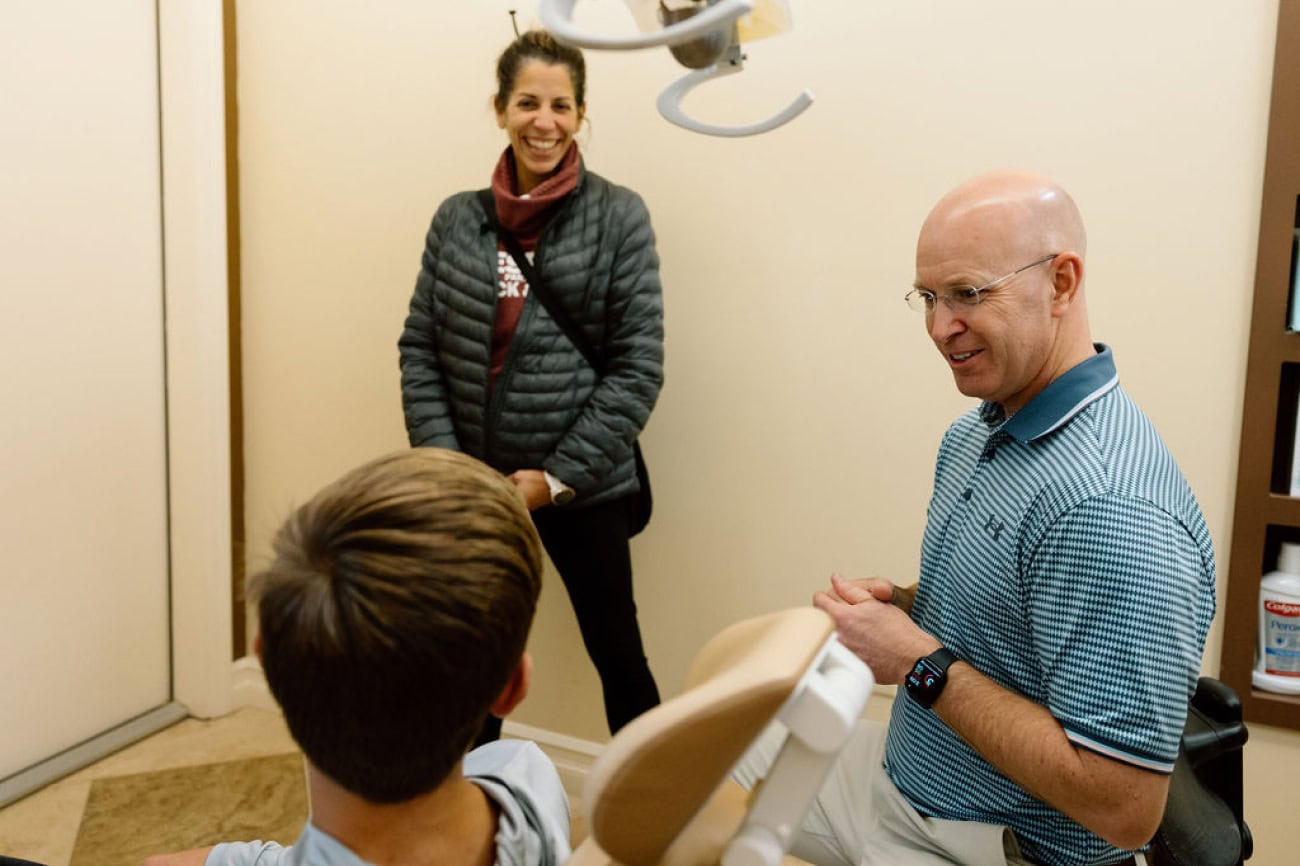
{"x": 561, "y": 493}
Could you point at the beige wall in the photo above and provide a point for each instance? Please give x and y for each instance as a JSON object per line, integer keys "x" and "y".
{"x": 803, "y": 403}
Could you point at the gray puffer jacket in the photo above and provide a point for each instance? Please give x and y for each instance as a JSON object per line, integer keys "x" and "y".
{"x": 548, "y": 410}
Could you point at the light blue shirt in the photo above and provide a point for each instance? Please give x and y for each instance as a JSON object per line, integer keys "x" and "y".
{"x": 1065, "y": 558}
{"x": 532, "y": 829}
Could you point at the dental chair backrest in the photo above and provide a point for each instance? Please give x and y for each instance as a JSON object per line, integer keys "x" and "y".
{"x": 653, "y": 797}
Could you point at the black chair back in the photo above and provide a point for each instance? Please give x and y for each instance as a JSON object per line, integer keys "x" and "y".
{"x": 1203, "y": 823}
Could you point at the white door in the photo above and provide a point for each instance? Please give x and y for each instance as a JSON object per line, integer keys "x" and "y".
{"x": 84, "y": 643}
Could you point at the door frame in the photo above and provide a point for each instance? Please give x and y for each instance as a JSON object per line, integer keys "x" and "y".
{"x": 196, "y": 291}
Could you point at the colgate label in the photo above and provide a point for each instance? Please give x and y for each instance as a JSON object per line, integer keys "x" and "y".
{"x": 1279, "y": 642}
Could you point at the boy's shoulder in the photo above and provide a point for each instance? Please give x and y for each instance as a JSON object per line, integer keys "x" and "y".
{"x": 313, "y": 848}
{"x": 533, "y": 826}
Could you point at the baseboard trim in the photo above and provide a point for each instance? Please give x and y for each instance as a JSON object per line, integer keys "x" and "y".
{"x": 572, "y": 756}
{"x": 84, "y": 754}
{"x": 250, "y": 688}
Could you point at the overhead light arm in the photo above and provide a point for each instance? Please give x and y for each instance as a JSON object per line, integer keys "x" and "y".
{"x": 557, "y": 17}
{"x": 669, "y": 102}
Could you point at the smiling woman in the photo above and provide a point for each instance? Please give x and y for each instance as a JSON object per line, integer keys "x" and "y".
{"x": 535, "y": 343}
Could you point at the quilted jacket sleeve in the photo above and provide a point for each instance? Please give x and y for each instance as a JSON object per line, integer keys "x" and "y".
{"x": 598, "y": 444}
{"x": 424, "y": 392}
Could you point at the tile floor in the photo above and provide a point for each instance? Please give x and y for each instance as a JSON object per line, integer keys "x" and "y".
{"x": 43, "y": 826}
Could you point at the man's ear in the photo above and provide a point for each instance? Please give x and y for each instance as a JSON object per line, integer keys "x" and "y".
{"x": 516, "y": 688}
{"x": 1067, "y": 277}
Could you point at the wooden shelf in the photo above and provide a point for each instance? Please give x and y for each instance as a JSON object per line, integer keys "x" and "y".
{"x": 1270, "y": 708}
{"x": 1288, "y": 348}
{"x": 1280, "y": 510}
{"x": 1263, "y": 517}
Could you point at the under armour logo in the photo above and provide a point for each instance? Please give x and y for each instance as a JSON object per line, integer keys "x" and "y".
{"x": 994, "y": 527}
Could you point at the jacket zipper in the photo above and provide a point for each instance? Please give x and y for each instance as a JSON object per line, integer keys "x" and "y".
{"x": 492, "y": 411}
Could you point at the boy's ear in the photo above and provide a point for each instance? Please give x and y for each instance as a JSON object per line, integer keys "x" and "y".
{"x": 516, "y": 688}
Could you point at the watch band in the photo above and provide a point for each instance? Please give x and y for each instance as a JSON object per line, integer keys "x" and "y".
{"x": 925, "y": 682}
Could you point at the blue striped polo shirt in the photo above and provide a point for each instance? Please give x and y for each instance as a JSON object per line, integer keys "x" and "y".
{"x": 1066, "y": 558}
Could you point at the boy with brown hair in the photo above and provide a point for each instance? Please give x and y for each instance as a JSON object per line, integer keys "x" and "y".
{"x": 392, "y": 620}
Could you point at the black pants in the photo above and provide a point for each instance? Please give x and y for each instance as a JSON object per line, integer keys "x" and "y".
{"x": 589, "y": 549}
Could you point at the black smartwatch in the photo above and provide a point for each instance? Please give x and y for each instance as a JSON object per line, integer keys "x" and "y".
{"x": 926, "y": 679}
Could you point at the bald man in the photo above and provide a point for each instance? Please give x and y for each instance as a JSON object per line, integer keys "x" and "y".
{"x": 1047, "y": 653}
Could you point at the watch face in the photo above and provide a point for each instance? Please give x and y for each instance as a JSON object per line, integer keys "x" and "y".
{"x": 925, "y": 681}
{"x": 923, "y": 676}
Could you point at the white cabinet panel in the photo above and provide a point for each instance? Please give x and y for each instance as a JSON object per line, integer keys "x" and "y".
{"x": 83, "y": 487}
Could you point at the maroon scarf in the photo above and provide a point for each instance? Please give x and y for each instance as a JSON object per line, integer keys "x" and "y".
{"x": 524, "y": 217}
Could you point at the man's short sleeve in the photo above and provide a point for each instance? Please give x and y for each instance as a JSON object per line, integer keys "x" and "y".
{"x": 1113, "y": 594}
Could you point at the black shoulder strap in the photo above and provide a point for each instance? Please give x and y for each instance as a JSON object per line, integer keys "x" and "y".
{"x": 535, "y": 284}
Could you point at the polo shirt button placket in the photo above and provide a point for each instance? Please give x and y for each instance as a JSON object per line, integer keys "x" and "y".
{"x": 991, "y": 446}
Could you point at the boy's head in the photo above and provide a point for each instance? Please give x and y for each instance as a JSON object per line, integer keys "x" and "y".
{"x": 394, "y": 615}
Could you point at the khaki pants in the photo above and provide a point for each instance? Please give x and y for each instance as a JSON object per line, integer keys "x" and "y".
{"x": 860, "y": 819}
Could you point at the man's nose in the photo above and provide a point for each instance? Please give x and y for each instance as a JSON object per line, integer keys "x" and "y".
{"x": 943, "y": 322}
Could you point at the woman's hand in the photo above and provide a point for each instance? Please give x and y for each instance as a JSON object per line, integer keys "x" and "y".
{"x": 531, "y": 484}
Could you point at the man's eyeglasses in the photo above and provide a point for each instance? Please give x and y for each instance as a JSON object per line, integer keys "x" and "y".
{"x": 961, "y": 297}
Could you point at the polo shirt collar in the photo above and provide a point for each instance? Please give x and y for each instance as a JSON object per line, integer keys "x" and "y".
{"x": 1061, "y": 400}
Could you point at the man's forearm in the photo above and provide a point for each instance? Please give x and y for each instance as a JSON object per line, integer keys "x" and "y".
{"x": 1121, "y": 803}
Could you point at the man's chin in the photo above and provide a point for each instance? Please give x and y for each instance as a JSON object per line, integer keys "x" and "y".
{"x": 969, "y": 388}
